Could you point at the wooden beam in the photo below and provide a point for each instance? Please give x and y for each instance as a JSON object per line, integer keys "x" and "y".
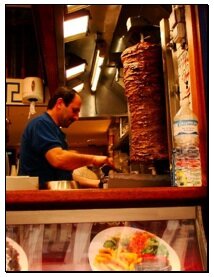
{"x": 59, "y": 18}
{"x": 197, "y": 80}
{"x": 45, "y": 28}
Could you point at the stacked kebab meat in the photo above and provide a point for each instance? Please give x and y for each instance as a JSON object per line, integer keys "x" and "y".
{"x": 144, "y": 88}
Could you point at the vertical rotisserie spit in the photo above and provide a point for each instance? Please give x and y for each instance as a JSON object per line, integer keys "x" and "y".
{"x": 144, "y": 88}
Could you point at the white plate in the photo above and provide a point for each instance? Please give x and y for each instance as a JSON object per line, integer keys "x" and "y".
{"x": 100, "y": 238}
{"x": 22, "y": 258}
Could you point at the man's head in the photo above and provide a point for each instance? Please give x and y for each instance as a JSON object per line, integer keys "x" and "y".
{"x": 64, "y": 106}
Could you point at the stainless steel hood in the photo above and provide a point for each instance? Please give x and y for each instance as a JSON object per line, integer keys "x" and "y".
{"x": 108, "y": 22}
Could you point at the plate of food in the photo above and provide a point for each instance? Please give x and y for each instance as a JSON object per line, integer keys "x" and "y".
{"x": 131, "y": 249}
{"x": 16, "y": 259}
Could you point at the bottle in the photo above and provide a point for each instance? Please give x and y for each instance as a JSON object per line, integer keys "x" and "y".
{"x": 186, "y": 154}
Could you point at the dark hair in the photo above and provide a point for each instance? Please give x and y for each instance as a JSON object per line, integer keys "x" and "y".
{"x": 67, "y": 94}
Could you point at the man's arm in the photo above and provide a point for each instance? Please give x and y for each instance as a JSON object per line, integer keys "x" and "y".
{"x": 70, "y": 160}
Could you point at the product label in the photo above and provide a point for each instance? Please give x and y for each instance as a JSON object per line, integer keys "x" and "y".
{"x": 187, "y": 166}
{"x": 182, "y": 127}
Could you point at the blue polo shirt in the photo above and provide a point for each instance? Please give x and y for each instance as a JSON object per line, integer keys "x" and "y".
{"x": 41, "y": 135}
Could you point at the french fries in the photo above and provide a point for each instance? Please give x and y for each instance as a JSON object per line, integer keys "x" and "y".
{"x": 124, "y": 252}
{"x": 105, "y": 255}
{"x": 116, "y": 260}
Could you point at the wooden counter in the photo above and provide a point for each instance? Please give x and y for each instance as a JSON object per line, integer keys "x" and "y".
{"x": 105, "y": 198}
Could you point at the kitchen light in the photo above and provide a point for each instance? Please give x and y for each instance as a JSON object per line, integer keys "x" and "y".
{"x": 96, "y": 70}
{"x": 76, "y": 83}
{"x": 128, "y": 24}
{"x": 75, "y": 71}
{"x": 79, "y": 87}
{"x": 75, "y": 25}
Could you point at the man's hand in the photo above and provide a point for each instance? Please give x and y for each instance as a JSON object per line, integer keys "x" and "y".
{"x": 101, "y": 160}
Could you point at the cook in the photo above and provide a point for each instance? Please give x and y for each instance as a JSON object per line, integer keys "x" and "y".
{"x": 44, "y": 150}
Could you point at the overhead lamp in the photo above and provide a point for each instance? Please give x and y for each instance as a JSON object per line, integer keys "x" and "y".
{"x": 73, "y": 72}
{"x": 77, "y": 84}
{"x": 79, "y": 87}
{"x": 74, "y": 66}
{"x": 99, "y": 59}
{"x": 75, "y": 25}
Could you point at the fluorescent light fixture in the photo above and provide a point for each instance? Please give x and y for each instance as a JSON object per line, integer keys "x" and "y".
{"x": 75, "y": 26}
{"x": 128, "y": 24}
{"x": 75, "y": 71}
{"x": 79, "y": 87}
{"x": 96, "y": 70}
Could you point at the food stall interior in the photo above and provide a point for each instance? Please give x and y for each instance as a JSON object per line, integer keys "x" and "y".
{"x": 139, "y": 208}
{"x": 26, "y": 23}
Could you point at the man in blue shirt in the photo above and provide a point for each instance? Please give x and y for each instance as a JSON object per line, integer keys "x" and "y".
{"x": 44, "y": 151}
